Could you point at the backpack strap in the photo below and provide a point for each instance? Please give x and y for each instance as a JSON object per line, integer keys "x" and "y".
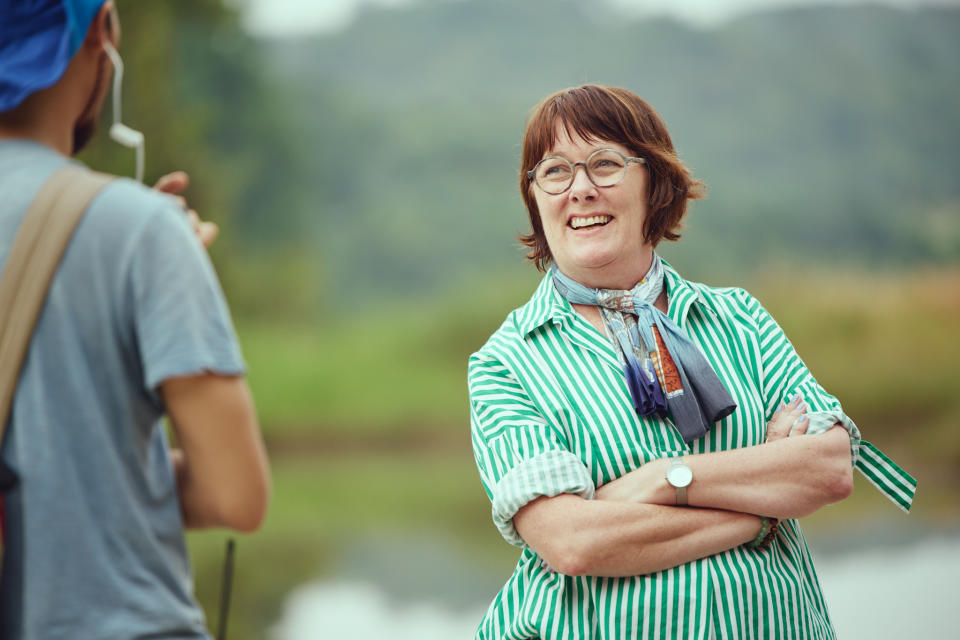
{"x": 40, "y": 242}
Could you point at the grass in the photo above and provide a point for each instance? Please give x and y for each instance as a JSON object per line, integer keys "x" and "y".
{"x": 396, "y": 370}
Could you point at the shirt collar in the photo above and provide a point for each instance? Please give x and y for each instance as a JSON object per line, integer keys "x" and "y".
{"x": 548, "y": 305}
{"x": 545, "y": 305}
{"x": 681, "y": 295}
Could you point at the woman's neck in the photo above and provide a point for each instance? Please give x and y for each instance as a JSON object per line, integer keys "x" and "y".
{"x": 614, "y": 276}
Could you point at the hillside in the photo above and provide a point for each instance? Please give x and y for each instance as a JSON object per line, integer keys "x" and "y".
{"x": 823, "y": 134}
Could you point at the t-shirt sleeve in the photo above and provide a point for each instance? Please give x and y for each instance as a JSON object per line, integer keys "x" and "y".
{"x": 520, "y": 456}
{"x": 181, "y": 319}
{"x": 785, "y": 375}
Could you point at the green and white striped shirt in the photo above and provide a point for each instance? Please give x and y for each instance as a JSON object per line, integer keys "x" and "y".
{"x": 551, "y": 414}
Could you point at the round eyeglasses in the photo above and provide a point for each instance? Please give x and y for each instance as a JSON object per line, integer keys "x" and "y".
{"x": 604, "y": 167}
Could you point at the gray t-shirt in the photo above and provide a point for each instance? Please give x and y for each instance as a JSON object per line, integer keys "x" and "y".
{"x": 95, "y": 545}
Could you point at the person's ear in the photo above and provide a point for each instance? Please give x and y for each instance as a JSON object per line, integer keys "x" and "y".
{"x": 104, "y": 28}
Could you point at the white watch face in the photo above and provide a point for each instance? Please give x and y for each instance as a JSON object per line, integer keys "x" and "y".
{"x": 680, "y": 476}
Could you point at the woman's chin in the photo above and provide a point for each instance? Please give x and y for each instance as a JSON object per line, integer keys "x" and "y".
{"x": 591, "y": 267}
{"x": 604, "y": 270}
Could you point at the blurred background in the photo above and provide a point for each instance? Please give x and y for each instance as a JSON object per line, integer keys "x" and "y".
{"x": 361, "y": 158}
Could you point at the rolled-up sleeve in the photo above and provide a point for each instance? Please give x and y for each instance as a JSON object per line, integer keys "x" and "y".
{"x": 519, "y": 455}
{"x": 785, "y": 375}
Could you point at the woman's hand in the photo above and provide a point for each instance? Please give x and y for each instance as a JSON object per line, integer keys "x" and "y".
{"x": 789, "y": 420}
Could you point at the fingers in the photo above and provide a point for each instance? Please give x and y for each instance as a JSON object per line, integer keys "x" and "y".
{"x": 543, "y": 563}
{"x": 173, "y": 183}
{"x": 786, "y": 419}
{"x": 206, "y": 231}
{"x": 800, "y": 422}
{"x": 800, "y": 426}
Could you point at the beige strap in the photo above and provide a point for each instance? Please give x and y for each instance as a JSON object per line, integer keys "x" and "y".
{"x": 41, "y": 240}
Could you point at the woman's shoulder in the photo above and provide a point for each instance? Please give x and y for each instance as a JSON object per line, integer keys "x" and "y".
{"x": 727, "y": 301}
{"x": 718, "y": 299}
{"x": 722, "y": 296}
{"x": 510, "y": 336}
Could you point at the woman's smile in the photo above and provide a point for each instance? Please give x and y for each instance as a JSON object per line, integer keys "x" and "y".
{"x": 590, "y": 222}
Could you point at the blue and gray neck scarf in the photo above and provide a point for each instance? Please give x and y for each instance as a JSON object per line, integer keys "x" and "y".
{"x": 665, "y": 371}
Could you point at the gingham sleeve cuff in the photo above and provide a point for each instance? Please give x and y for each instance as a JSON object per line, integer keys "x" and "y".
{"x": 548, "y": 474}
{"x": 822, "y": 421}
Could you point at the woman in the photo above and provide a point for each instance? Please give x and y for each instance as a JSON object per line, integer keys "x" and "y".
{"x": 620, "y": 418}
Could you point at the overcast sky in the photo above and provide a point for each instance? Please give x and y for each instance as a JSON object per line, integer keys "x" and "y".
{"x": 300, "y": 17}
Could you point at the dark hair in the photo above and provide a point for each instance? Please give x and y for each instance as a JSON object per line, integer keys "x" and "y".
{"x": 616, "y": 115}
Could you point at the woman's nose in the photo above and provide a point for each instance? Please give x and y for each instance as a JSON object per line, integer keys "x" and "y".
{"x": 582, "y": 188}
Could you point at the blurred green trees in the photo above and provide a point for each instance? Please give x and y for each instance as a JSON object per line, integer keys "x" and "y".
{"x": 381, "y": 162}
{"x": 195, "y": 83}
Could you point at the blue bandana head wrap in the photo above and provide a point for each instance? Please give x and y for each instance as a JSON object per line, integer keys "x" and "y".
{"x": 37, "y": 40}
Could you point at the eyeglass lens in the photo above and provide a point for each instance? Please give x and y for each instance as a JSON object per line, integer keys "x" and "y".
{"x": 604, "y": 167}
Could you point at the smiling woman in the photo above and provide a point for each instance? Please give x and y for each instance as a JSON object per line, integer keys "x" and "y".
{"x": 652, "y": 185}
{"x": 622, "y": 395}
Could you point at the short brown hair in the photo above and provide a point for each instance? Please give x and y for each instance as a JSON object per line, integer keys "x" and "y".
{"x": 616, "y": 115}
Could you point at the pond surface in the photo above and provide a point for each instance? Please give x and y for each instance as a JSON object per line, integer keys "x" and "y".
{"x": 408, "y": 589}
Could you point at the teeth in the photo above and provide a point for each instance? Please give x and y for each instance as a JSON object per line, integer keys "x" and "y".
{"x": 577, "y": 223}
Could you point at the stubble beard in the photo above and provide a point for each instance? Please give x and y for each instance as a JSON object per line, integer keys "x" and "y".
{"x": 87, "y": 124}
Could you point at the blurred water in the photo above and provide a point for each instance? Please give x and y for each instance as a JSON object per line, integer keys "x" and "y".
{"x": 883, "y": 592}
{"x": 366, "y": 612}
{"x": 894, "y": 592}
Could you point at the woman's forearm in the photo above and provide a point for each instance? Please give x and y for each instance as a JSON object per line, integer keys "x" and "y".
{"x": 788, "y": 478}
{"x": 607, "y": 538}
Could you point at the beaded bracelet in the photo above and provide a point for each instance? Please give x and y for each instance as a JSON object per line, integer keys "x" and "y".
{"x": 768, "y": 530}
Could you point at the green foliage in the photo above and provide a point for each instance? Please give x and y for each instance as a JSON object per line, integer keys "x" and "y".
{"x": 382, "y": 160}
{"x": 195, "y": 84}
{"x": 823, "y": 134}
{"x": 401, "y": 368}
{"x": 885, "y": 344}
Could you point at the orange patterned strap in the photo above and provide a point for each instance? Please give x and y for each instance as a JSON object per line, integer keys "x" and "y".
{"x": 666, "y": 368}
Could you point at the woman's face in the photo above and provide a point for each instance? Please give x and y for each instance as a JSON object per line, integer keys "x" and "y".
{"x": 596, "y": 233}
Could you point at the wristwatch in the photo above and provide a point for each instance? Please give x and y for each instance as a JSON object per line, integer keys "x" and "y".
{"x": 679, "y": 475}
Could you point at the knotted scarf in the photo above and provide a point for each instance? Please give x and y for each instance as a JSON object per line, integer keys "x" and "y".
{"x": 665, "y": 371}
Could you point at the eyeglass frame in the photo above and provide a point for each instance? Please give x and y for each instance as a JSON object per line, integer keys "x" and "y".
{"x": 532, "y": 173}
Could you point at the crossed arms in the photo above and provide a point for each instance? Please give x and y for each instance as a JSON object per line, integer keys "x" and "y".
{"x": 631, "y": 529}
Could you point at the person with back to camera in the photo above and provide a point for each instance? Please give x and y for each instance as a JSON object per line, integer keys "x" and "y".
{"x": 647, "y": 441}
{"x": 134, "y": 326}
